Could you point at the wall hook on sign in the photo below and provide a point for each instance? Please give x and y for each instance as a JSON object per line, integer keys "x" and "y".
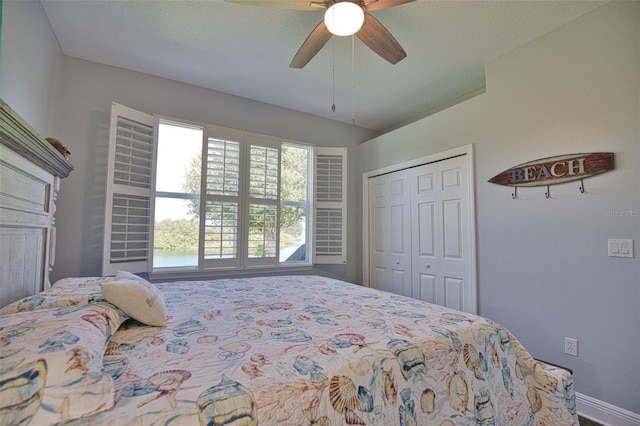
{"x": 581, "y": 186}
{"x": 548, "y": 193}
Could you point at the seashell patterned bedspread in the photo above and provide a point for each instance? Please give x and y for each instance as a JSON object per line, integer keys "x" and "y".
{"x": 308, "y": 350}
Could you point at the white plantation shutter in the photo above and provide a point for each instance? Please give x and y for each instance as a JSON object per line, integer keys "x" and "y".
{"x": 330, "y": 205}
{"x": 221, "y": 196}
{"x": 263, "y": 201}
{"x": 263, "y": 172}
{"x": 239, "y": 198}
{"x": 128, "y": 191}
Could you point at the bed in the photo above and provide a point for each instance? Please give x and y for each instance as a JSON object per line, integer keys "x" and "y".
{"x": 289, "y": 350}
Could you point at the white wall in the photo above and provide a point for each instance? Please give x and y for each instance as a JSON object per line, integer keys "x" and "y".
{"x": 31, "y": 66}
{"x": 542, "y": 263}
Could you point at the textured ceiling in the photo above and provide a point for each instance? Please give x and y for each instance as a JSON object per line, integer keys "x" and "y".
{"x": 246, "y": 50}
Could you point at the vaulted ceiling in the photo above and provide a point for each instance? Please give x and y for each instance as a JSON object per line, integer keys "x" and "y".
{"x": 246, "y": 50}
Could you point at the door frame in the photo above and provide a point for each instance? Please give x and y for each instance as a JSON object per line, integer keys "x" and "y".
{"x": 466, "y": 150}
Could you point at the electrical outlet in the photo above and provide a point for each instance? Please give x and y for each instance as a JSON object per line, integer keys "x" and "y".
{"x": 571, "y": 346}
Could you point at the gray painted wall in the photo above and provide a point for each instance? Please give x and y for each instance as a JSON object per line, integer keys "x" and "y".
{"x": 543, "y": 266}
{"x": 32, "y": 66}
{"x": 543, "y": 270}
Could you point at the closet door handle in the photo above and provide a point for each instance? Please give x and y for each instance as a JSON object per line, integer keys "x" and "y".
{"x": 397, "y": 262}
{"x": 427, "y": 266}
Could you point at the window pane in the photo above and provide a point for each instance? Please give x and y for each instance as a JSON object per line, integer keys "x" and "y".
{"x": 293, "y": 235}
{"x": 221, "y": 230}
{"x": 175, "y": 237}
{"x": 262, "y": 230}
{"x": 263, "y": 173}
{"x": 179, "y": 152}
{"x": 295, "y": 173}
{"x": 175, "y": 234}
{"x": 295, "y": 206}
{"x": 223, "y": 167}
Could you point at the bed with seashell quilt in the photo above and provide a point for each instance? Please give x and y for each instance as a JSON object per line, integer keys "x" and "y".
{"x": 290, "y": 350}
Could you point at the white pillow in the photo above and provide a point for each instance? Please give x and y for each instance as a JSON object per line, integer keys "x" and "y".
{"x": 124, "y": 275}
{"x": 137, "y": 298}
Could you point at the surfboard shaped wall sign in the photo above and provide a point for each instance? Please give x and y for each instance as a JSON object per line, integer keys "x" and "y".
{"x": 555, "y": 170}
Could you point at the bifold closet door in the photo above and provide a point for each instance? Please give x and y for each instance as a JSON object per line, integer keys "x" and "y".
{"x": 390, "y": 232}
{"x": 441, "y": 263}
{"x": 420, "y": 233}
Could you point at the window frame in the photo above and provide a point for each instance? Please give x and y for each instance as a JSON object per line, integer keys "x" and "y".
{"x": 244, "y": 200}
{"x": 245, "y": 265}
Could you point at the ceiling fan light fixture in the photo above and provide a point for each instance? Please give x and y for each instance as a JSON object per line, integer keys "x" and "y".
{"x": 344, "y": 18}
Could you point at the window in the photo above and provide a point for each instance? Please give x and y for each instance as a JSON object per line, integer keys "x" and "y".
{"x": 297, "y": 164}
{"x": 177, "y": 195}
{"x": 203, "y": 198}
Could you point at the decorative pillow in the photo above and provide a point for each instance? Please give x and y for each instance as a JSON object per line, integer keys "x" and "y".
{"x": 137, "y": 298}
{"x": 124, "y": 275}
{"x": 51, "y": 363}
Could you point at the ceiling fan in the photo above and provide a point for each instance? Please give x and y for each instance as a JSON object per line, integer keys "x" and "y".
{"x": 369, "y": 30}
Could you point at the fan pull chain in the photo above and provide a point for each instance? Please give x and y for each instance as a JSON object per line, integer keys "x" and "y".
{"x": 353, "y": 78}
{"x": 333, "y": 76}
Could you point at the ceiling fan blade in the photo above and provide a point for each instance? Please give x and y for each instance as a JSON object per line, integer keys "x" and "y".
{"x": 380, "y": 40}
{"x": 311, "y": 46}
{"x": 370, "y": 5}
{"x": 284, "y": 4}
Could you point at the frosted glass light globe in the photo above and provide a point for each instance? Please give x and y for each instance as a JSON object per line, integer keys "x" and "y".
{"x": 344, "y": 18}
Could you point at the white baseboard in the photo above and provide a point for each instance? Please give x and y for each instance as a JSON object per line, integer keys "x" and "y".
{"x": 605, "y": 413}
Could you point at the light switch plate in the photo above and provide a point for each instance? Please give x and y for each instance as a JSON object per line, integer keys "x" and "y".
{"x": 620, "y": 248}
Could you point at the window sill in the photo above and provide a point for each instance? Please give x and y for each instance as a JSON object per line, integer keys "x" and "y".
{"x": 206, "y": 274}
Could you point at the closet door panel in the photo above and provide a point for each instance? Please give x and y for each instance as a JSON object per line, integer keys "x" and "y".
{"x": 379, "y": 279}
{"x": 400, "y": 232}
{"x": 379, "y": 236}
{"x": 379, "y": 250}
{"x": 452, "y": 229}
{"x": 426, "y": 288}
{"x": 454, "y": 293}
{"x": 451, "y": 177}
{"x": 426, "y": 230}
{"x": 455, "y": 263}
{"x": 400, "y": 282}
{"x": 390, "y": 233}
{"x": 398, "y": 224}
{"x": 426, "y": 217}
